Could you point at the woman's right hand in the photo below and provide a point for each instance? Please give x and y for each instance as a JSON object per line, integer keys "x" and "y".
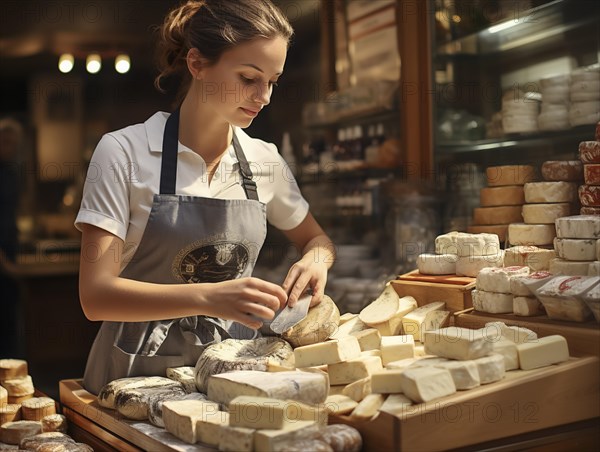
{"x": 244, "y": 300}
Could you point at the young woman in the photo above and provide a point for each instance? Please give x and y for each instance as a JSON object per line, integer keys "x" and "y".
{"x": 185, "y": 197}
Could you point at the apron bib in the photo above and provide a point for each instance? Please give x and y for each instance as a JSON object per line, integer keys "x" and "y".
{"x": 187, "y": 239}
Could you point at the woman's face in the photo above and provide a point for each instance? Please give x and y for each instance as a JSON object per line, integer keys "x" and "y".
{"x": 240, "y": 84}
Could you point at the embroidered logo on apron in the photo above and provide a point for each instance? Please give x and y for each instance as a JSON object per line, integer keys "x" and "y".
{"x": 214, "y": 262}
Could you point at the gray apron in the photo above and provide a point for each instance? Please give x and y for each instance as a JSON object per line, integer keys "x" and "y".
{"x": 187, "y": 239}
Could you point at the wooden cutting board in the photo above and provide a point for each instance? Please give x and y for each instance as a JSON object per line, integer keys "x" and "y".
{"x": 441, "y": 279}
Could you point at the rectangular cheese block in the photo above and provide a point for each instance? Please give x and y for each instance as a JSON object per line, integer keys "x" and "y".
{"x": 527, "y": 306}
{"x": 472, "y": 265}
{"x": 354, "y": 369}
{"x": 386, "y": 381}
{"x": 464, "y": 373}
{"x": 592, "y": 299}
{"x": 543, "y": 352}
{"x": 531, "y": 234}
{"x": 423, "y": 384}
{"x": 181, "y": 417}
{"x": 412, "y": 323}
{"x": 470, "y": 245}
{"x": 236, "y": 439}
{"x": 394, "y": 348}
{"x": 270, "y": 440}
{"x": 589, "y": 195}
{"x": 257, "y": 412}
{"x": 392, "y": 326}
{"x": 349, "y": 327}
{"x": 184, "y": 375}
{"x": 369, "y": 339}
{"x": 594, "y": 269}
{"x": 457, "y": 343}
{"x": 308, "y": 387}
{"x": 403, "y": 363}
{"x": 508, "y": 350}
{"x": 330, "y": 352}
{"x": 578, "y": 227}
{"x": 492, "y": 302}
{"x": 510, "y": 175}
{"x": 434, "y": 320}
{"x": 545, "y": 213}
{"x": 535, "y": 258}
{"x": 446, "y": 243}
{"x": 347, "y": 316}
{"x": 550, "y": 192}
{"x": 561, "y": 297}
{"x": 497, "y": 279}
{"x": 497, "y": 215}
{"x": 437, "y": 264}
{"x": 518, "y": 334}
{"x": 490, "y": 368}
{"x": 575, "y": 249}
{"x": 510, "y": 195}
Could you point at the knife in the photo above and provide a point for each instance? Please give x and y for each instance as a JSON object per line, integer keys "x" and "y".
{"x": 288, "y": 317}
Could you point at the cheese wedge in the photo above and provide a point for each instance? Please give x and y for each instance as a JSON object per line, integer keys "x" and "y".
{"x": 423, "y": 384}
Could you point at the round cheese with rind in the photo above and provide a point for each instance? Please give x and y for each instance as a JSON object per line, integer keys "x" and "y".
{"x": 477, "y": 244}
{"x": 560, "y": 80}
{"x": 509, "y": 195}
{"x": 36, "y": 442}
{"x": 241, "y": 354}
{"x": 54, "y": 423}
{"x": 134, "y": 403}
{"x": 535, "y": 258}
{"x": 471, "y": 265}
{"x": 12, "y": 368}
{"x": 510, "y": 175}
{"x": 492, "y": 302}
{"x": 575, "y": 249}
{"x": 550, "y": 192}
{"x": 582, "y": 120}
{"x": 497, "y": 215}
{"x": 320, "y": 323}
{"x": 582, "y": 109}
{"x": 527, "y": 306}
{"x": 562, "y": 170}
{"x": 106, "y": 396}
{"x": 594, "y": 268}
{"x": 524, "y": 286}
{"x": 561, "y": 297}
{"x": 591, "y": 173}
{"x": 586, "y": 86}
{"x": 545, "y": 213}
{"x": 589, "y": 151}
{"x": 560, "y": 266}
{"x": 14, "y": 432}
{"x": 437, "y": 264}
{"x": 35, "y": 408}
{"x": 500, "y": 230}
{"x": 589, "y": 211}
{"x": 578, "y": 227}
{"x": 10, "y": 412}
{"x": 531, "y": 234}
{"x": 589, "y": 195}
{"x": 497, "y": 279}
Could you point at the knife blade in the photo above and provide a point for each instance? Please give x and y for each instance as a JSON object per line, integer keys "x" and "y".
{"x": 288, "y": 317}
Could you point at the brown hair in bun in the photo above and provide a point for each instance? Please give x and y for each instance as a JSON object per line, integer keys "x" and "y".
{"x": 213, "y": 27}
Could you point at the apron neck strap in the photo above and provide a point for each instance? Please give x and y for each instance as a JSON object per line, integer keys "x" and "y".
{"x": 168, "y": 169}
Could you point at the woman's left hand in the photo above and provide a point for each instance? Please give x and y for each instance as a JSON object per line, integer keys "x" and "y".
{"x": 306, "y": 274}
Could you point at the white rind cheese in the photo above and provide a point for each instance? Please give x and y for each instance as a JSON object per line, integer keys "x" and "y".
{"x": 470, "y": 245}
{"x": 508, "y": 350}
{"x": 358, "y": 389}
{"x": 594, "y": 269}
{"x": 497, "y": 279}
{"x": 464, "y": 373}
{"x": 134, "y": 403}
{"x": 510, "y": 174}
{"x": 472, "y": 265}
{"x": 394, "y": 348}
{"x": 523, "y": 286}
{"x": 543, "y": 352}
{"x": 561, "y": 297}
{"x": 492, "y": 302}
{"x": 423, "y": 384}
{"x": 550, "y": 192}
{"x": 578, "y": 227}
{"x": 346, "y": 372}
{"x": 330, "y": 352}
{"x": 457, "y": 343}
{"x": 396, "y": 404}
{"x": 545, "y": 213}
{"x": 527, "y": 306}
{"x": 570, "y": 268}
{"x": 437, "y": 264}
{"x": 491, "y": 368}
{"x": 413, "y": 322}
{"x": 497, "y": 215}
{"x": 14, "y": 432}
{"x": 183, "y": 375}
{"x": 592, "y": 298}
{"x": 535, "y": 258}
{"x": 531, "y": 234}
{"x": 257, "y": 412}
{"x": 446, "y": 243}
{"x": 575, "y": 249}
{"x": 106, "y": 396}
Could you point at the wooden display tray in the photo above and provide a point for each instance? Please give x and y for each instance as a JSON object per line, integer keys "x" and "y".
{"x": 457, "y": 296}
{"x": 524, "y": 401}
{"x": 438, "y": 279}
{"x": 583, "y": 338}
{"x": 81, "y": 408}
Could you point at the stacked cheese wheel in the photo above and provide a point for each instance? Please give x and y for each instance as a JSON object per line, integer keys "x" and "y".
{"x": 589, "y": 193}
{"x": 585, "y": 96}
{"x": 545, "y": 202}
{"x": 577, "y": 245}
{"x": 520, "y": 112}
{"x": 502, "y": 200}
{"x": 554, "y": 113}
{"x": 462, "y": 254}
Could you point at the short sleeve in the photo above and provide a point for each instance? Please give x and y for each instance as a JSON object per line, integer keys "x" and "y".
{"x": 105, "y": 200}
{"x": 288, "y": 208}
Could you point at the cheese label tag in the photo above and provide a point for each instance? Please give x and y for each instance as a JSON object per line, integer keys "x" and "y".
{"x": 288, "y": 317}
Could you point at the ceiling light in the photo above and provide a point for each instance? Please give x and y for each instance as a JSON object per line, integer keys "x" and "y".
{"x": 122, "y": 63}
{"x": 93, "y": 63}
{"x": 65, "y": 63}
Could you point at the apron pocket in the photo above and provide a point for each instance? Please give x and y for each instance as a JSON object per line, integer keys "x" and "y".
{"x": 128, "y": 364}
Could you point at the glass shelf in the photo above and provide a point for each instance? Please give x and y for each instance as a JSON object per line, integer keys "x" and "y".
{"x": 538, "y": 27}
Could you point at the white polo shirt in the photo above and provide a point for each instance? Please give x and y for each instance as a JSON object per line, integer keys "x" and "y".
{"x": 124, "y": 175}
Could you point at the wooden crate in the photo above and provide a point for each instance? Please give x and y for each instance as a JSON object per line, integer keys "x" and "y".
{"x": 583, "y": 338}
{"x": 524, "y": 401}
{"x": 456, "y": 295}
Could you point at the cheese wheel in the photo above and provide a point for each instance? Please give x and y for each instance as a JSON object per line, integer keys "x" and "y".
{"x": 582, "y": 109}
{"x": 437, "y": 264}
{"x": 3, "y": 396}
{"x": 510, "y": 125}
{"x": 545, "y": 213}
{"x": 589, "y": 195}
{"x": 556, "y": 95}
{"x": 550, "y": 192}
{"x": 589, "y": 211}
{"x": 36, "y": 408}
{"x": 591, "y": 174}
{"x": 40, "y": 442}
{"x": 320, "y": 323}
{"x": 155, "y": 404}
{"x": 589, "y": 151}
{"x": 19, "y": 389}
{"x": 14, "y": 432}
{"x": 553, "y": 124}
{"x": 586, "y": 86}
{"x": 578, "y": 227}
{"x": 12, "y": 368}
{"x": 582, "y": 120}
{"x": 527, "y": 306}
{"x": 583, "y": 97}
{"x": 241, "y": 354}
{"x": 510, "y": 195}
{"x": 497, "y": 279}
{"x": 583, "y": 75}
{"x": 555, "y": 81}
{"x": 535, "y": 258}
{"x": 554, "y": 111}
{"x": 342, "y": 437}
{"x": 594, "y": 270}
{"x": 106, "y": 396}
{"x": 134, "y": 403}
{"x": 54, "y": 423}
{"x": 570, "y": 268}
{"x": 183, "y": 375}
{"x": 498, "y": 229}
{"x": 497, "y": 215}
{"x": 9, "y": 412}
{"x": 471, "y": 265}
{"x": 492, "y": 302}
{"x": 567, "y": 170}
{"x": 510, "y": 175}
{"x": 531, "y": 234}
{"x": 575, "y": 249}
{"x": 561, "y": 297}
